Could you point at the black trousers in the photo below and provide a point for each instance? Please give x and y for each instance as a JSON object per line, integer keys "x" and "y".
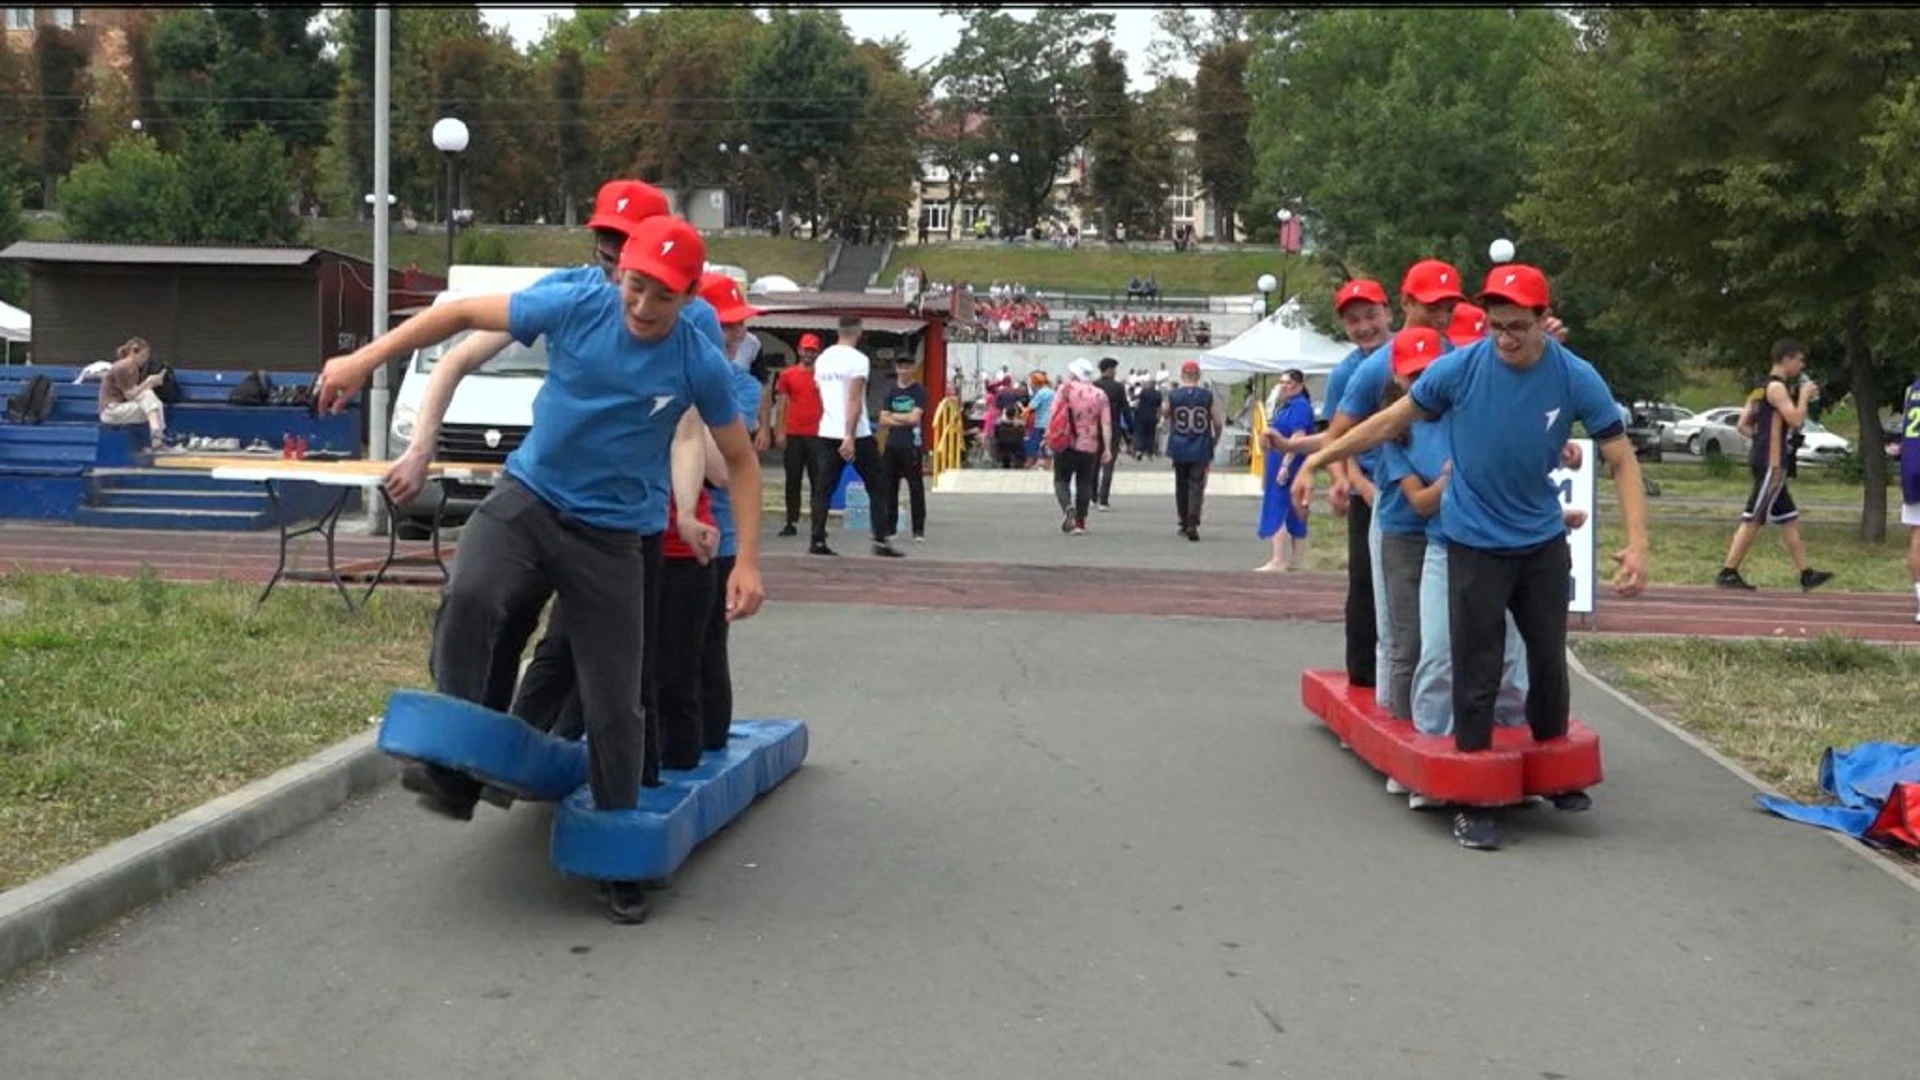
{"x": 826, "y": 456}
{"x": 1363, "y": 634}
{"x": 1105, "y": 469}
{"x": 515, "y": 552}
{"x": 799, "y": 462}
{"x": 1074, "y": 474}
{"x": 1482, "y": 587}
{"x": 549, "y": 695}
{"x": 898, "y": 463}
{"x": 1189, "y": 491}
{"x": 686, "y": 602}
{"x": 716, "y": 671}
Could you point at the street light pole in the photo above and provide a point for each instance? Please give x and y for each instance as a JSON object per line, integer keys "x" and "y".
{"x": 1265, "y": 284}
{"x": 450, "y": 138}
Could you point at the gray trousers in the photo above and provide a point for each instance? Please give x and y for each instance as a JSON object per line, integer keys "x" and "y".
{"x": 1401, "y": 560}
{"x": 515, "y": 552}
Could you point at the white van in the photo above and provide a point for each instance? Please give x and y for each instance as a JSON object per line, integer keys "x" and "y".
{"x": 491, "y": 409}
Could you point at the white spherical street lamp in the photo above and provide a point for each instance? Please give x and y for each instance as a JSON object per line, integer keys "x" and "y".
{"x": 1501, "y": 250}
{"x": 450, "y": 138}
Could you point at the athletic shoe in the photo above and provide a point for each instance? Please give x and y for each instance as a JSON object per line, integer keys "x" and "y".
{"x": 1193, "y": 535}
{"x": 1573, "y": 802}
{"x": 1730, "y": 579}
{"x": 1811, "y": 579}
{"x": 1476, "y": 830}
{"x": 1080, "y": 528}
{"x": 1916, "y": 616}
{"x": 919, "y": 538}
{"x": 1395, "y": 787}
{"x": 819, "y": 547}
{"x": 1417, "y": 801}
{"x": 1104, "y": 508}
{"x": 789, "y": 530}
{"x": 498, "y": 796}
{"x": 442, "y": 790}
{"x": 888, "y": 551}
{"x": 626, "y": 901}
{"x": 1066, "y": 522}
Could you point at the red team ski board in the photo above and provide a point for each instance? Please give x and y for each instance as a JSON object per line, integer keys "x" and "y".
{"x": 1515, "y": 768}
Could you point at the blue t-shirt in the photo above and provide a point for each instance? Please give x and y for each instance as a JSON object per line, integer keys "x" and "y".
{"x": 1042, "y": 406}
{"x": 604, "y": 417}
{"x": 1508, "y": 427}
{"x": 1910, "y": 446}
{"x": 1423, "y": 457}
{"x": 746, "y": 397}
{"x": 1361, "y": 398}
{"x": 1337, "y": 383}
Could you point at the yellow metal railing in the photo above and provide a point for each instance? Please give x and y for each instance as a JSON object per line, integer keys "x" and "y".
{"x": 949, "y": 436}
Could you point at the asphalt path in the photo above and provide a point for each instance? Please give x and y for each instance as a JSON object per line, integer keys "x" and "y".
{"x": 1028, "y": 844}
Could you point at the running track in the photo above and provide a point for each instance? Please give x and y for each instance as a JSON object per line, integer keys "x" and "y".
{"x": 929, "y": 583}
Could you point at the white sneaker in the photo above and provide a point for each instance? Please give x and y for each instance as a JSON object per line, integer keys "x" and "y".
{"x": 1417, "y": 801}
{"x": 1395, "y": 787}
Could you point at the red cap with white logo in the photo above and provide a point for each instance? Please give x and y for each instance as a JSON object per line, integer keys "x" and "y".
{"x": 1469, "y": 325}
{"x": 1415, "y": 348}
{"x": 724, "y": 294}
{"x": 1431, "y": 281}
{"x": 1516, "y": 283}
{"x": 667, "y": 250}
{"x": 623, "y": 204}
{"x": 1359, "y": 290}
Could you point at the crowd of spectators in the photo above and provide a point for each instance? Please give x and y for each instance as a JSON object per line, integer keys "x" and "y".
{"x": 1165, "y": 331}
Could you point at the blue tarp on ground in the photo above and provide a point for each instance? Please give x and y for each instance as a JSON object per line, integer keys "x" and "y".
{"x": 1860, "y": 779}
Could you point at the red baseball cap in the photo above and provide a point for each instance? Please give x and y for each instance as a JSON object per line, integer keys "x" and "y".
{"x": 810, "y": 341}
{"x": 667, "y": 250}
{"x": 1190, "y": 367}
{"x": 623, "y": 204}
{"x": 1516, "y": 283}
{"x": 1359, "y": 289}
{"x": 1469, "y": 324}
{"x": 1414, "y": 348}
{"x": 1430, "y": 281}
{"x": 724, "y": 294}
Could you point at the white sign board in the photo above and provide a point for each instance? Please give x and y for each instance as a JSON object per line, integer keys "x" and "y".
{"x": 1576, "y": 493}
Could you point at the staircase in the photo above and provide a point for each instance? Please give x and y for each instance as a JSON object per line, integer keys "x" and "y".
{"x": 857, "y": 265}
{"x": 176, "y": 499}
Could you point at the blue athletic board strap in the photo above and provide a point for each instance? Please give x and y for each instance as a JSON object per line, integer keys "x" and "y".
{"x": 1840, "y": 819}
{"x": 494, "y": 747}
{"x": 1859, "y": 778}
{"x": 651, "y": 841}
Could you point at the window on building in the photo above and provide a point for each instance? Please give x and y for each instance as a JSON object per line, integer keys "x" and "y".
{"x": 63, "y": 18}
{"x": 1181, "y": 201}
{"x": 933, "y": 217}
{"x": 19, "y": 18}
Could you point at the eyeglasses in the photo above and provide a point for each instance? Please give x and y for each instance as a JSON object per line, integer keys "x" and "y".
{"x": 1512, "y": 329}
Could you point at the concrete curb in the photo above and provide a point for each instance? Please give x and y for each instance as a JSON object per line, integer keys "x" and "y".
{"x": 1858, "y": 849}
{"x": 39, "y": 918}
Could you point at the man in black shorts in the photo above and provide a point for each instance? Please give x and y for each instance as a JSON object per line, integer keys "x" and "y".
{"x": 1780, "y": 410}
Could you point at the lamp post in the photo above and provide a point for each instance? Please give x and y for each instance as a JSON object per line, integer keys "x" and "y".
{"x": 450, "y": 138}
{"x": 736, "y": 155}
{"x": 993, "y": 159}
{"x": 1266, "y": 285}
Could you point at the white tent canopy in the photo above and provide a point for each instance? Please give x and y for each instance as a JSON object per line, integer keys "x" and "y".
{"x": 1276, "y": 343}
{"x": 15, "y": 325}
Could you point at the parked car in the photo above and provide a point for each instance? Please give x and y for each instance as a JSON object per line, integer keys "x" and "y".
{"x": 1642, "y": 432}
{"x": 1818, "y": 445}
{"x": 1712, "y": 431}
{"x": 1662, "y": 416}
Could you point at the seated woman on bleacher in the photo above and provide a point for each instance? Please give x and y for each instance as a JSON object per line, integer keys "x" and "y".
{"x": 127, "y": 394}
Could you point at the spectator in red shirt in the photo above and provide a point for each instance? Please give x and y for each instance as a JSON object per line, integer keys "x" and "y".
{"x": 795, "y": 409}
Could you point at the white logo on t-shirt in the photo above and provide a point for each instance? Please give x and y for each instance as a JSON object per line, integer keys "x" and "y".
{"x": 1552, "y": 415}
{"x": 660, "y": 401}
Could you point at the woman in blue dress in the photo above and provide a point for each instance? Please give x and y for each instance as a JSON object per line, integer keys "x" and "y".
{"x": 1288, "y": 440}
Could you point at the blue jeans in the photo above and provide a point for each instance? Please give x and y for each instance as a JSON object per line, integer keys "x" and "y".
{"x": 1433, "y": 677}
{"x": 1382, "y": 621}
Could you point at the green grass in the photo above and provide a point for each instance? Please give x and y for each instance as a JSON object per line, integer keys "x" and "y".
{"x": 126, "y": 701}
{"x": 1772, "y": 706}
{"x": 553, "y": 245}
{"x": 1103, "y": 271}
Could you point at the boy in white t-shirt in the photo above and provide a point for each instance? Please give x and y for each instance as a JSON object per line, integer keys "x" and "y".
{"x": 846, "y": 432}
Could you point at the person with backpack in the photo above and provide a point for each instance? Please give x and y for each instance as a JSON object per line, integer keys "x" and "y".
{"x": 1195, "y": 419}
{"x": 1080, "y": 434}
{"x": 128, "y": 395}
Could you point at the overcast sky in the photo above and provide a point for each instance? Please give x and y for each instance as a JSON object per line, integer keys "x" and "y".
{"x": 929, "y": 33}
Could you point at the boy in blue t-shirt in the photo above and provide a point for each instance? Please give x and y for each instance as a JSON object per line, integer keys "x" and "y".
{"x": 578, "y": 495}
{"x": 1511, "y": 400}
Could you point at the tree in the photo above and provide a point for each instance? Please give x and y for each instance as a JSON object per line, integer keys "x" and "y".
{"x": 1159, "y": 161}
{"x": 1028, "y": 78}
{"x": 59, "y": 65}
{"x": 585, "y": 33}
{"x": 1732, "y": 204}
{"x": 873, "y": 183}
{"x": 13, "y": 278}
{"x": 566, "y": 77}
{"x": 1110, "y": 138}
{"x": 803, "y": 89}
{"x": 132, "y": 195}
{"x": 19, "y": 155}
{"x": 215, "y": 190}
{"x": 1221, "y": 110}
{"x": 345, "y": 166}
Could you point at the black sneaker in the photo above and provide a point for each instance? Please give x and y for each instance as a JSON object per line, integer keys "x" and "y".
{"x": 1476, "y": 830}
{"x": 1813, "y": 579}
{"x": 442, "y": 790}
{"x": 498, "y": 796}
{"x": 789, "y": 530}
{"x": 1730, "y": 578}
{"x": 819, "y": 547}
{"x": 1573, "y": 802}
{"x": 626, "y": 901}
{"x": 1066, "y": 522}
{"x": 1193, "y": 534}
{"x": 888, "y": 551}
